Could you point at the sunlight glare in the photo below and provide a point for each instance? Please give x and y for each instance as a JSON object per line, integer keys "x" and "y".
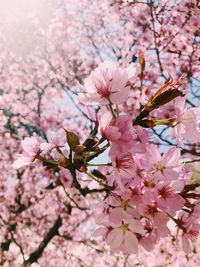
{"x": 22, "y": 20}
{"x": 16, "y": 9}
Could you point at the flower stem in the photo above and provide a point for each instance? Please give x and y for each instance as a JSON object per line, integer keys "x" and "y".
{"x": 100, "y": 164}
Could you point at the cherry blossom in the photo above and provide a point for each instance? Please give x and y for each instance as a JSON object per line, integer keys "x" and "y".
{"x": 165, "y": 167}
{"x": 107, "y": 84}
{"x": 31, "y": 150}
{"x": 185, "y": 125}
{"x": 122, "y": 236}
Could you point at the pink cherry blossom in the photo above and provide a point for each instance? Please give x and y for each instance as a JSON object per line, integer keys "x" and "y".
{"x": 107, "y": 84}
{"x": 55, "y": 140}
{"x": 123, "y": 167}
{"x": 121, "y": 237}
{"x": 165, "y": 167}
{"x": 107, "y": 128}
{"x": 185, "y": 126}
{"x": 168, "y": 199}
{"x": 31, "y": 150}
{"x": 191, "y": 232}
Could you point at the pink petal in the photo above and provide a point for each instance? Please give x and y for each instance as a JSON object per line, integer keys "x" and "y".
{"x": 186, "y": 244}
{"x": 130, "y": 243}
{"x": 115, "y": 239}
{"x": 171, "y": 157}
{"x": 136, "y": 226}
{"x": 21, "y": 162}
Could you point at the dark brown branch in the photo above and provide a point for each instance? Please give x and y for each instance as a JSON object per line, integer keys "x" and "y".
{"x": 83, "y": 191}
{"x": 53, "y": 231}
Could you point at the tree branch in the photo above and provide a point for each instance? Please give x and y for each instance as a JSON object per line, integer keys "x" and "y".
{"x": 53, "y": 231}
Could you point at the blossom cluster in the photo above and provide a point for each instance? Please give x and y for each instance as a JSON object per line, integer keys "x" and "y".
{"x": 144, "y": 188}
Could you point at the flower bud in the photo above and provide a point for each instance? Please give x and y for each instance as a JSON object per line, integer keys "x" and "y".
{"x": 165, "y": 94}
{"x": 64, "y": 163}
{"x": 80, "y": 148}
{"x": 146, "y": 123}
{"x": 72, "y": 140}
{"x": 83, "y": 168}
{"x": 91, "y": 142}
{"x": 142, "y": 62}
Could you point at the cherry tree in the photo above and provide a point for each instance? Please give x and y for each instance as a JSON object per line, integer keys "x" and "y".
{"x": 100, "y": 138}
